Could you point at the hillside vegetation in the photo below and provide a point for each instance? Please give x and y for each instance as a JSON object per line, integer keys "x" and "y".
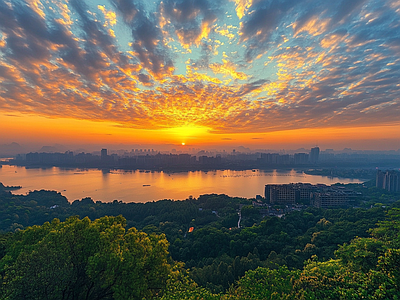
{"x": 192, "y": 249}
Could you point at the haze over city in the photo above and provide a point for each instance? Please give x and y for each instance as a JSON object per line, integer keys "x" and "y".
{"x": 262, "y": 74}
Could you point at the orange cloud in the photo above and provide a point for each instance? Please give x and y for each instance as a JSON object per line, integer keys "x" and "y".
{"x": 314, "y": 26}
{"x": 226, "y": 31}
{"x": 242, "y": 6}
{"x": 187, "y": 38}
{"x": 332, "y": 40}
{"x": 228, "y": 68}
{"x": 110, "y": 16}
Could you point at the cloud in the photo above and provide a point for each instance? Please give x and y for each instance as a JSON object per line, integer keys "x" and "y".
{"x": 228, "y": 68}
{"x": 191, "y": 21}
{"x": 297, "y": 64}
{"x": 259, "y": 25}
{"x": 242, "y": 6}
{"x": 346, "y": 9}
{"x": 147, "y": 42}
{"x": 110, "y": 16}
{"x": 311, "y": 24}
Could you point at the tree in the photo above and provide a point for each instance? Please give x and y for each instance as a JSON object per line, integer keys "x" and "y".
{"x": 389, "y": 229}
{"x": 81, "y": 259}
{"x": 263, "y": 284}
{"x": 180, "y": 286}
{"x": 335, "y": 280}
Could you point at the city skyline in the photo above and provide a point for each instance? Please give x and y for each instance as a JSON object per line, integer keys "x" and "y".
{"x": 262, "y": 74}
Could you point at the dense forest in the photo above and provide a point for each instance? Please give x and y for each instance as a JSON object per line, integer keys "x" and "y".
{"x": 193, "y": 249}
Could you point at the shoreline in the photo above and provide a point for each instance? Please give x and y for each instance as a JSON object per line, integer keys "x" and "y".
{"x": 178, "y": 169}
{"x": 321, "y": 170}
{"x": 127, "y": 185}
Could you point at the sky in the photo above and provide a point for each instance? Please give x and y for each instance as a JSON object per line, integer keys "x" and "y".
{"x": 257, "y": 73}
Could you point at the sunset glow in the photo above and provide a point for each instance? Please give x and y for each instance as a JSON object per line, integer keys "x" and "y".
{"x": 218, "y": 73}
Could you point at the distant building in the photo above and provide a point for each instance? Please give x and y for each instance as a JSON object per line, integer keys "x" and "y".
{"x": 389, "y": 180}
{"x": 282, "y": 194}
{"x": 319, "y": 195}
{"x": 330, "y": 198}
{"x": 314, "y": 155}
{"x": 380, "y": 176}
{"x": 288, "y": 194}
{"x": 107, "y": 159}
{"x": 300, "y": 158}
{"x": 267, "y": 193}
{"x": 104, "y": 155}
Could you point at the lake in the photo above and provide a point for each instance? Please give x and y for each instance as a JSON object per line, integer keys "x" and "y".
{"x": 145, "y": 186}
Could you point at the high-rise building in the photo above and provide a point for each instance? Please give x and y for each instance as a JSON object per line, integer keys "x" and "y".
{"x": 300, "y": 158}
{"x": 314, "y": 155}
{"x": 390, "y": 180}
{"x": 104, "y": 156}
{"x": 380, "y": 176}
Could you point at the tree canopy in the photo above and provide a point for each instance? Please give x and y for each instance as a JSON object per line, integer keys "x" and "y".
{"x": 84, "y": 259}
{"x": 314, "y": 253}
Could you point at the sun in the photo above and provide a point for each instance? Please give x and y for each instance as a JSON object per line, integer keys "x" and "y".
{"x": 188, "y": 133}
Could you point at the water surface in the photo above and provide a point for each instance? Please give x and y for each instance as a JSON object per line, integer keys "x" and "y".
{"x": 140, "y": 186}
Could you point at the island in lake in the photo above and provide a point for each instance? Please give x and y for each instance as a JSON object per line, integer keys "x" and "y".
{"x": 9, "y": 188}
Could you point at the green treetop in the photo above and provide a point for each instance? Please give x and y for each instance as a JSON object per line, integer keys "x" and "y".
{"x": 81, "y": 259}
